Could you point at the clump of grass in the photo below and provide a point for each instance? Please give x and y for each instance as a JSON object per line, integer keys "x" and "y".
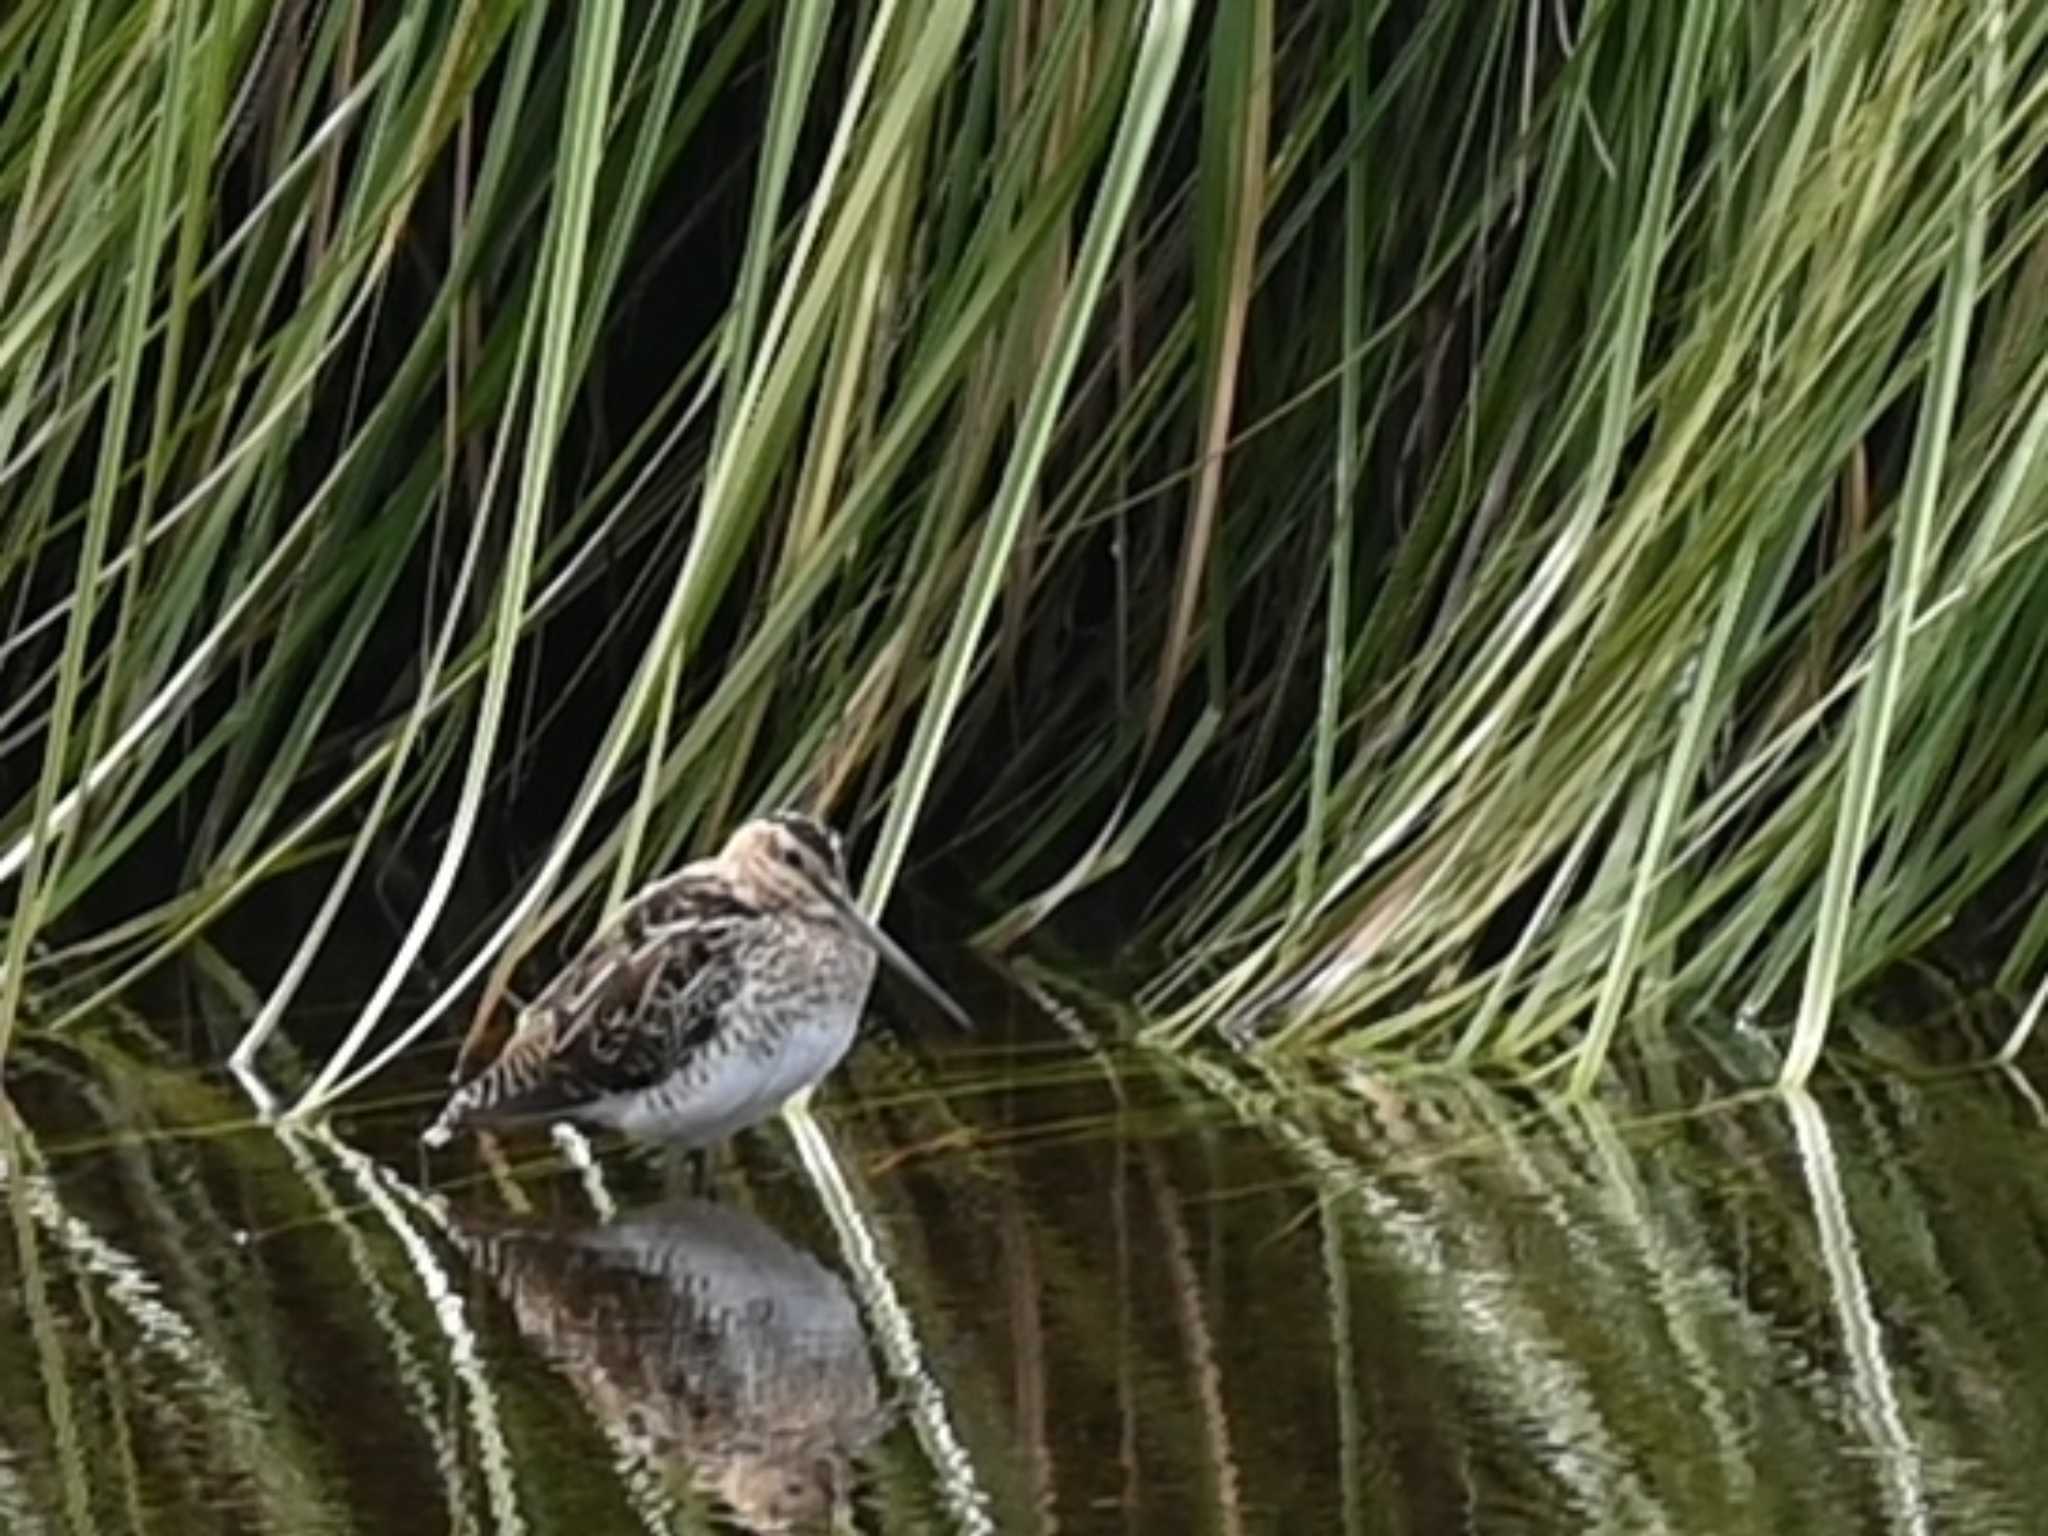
{"x": 1543, "y": 501}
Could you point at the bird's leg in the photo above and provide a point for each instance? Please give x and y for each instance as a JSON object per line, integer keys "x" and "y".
{"x": 493, "y": 1155}
{"x": 690, "y": 1168}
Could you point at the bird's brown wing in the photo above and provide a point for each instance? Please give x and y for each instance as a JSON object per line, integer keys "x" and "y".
{"x": 622, "y": 1013}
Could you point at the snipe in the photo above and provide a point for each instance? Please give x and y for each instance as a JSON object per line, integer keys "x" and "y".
{"x": 719, "y": 995}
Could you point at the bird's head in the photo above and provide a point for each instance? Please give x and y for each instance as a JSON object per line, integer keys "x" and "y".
{"x": 790, "y": 860}
{"x": 796, "y": 863}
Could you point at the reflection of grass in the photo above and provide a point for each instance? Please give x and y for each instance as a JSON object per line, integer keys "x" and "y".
{"x": 894, "y": 1332}
{"x": 1686, "y": 1292}
{"x": 1320, "y": 1290}
{"x": 233, "y": 1383}
{"x": 1486, "y": 575}
{"x": 51, "y": 1366}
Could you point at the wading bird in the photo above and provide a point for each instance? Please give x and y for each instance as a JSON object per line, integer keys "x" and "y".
{"x": 719, "y": 995}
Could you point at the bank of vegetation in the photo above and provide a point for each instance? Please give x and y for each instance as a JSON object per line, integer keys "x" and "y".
{"x": 1500, "y": 521}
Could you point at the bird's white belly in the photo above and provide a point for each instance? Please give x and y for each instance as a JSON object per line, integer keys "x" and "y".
{"x": 728, "y": 1093}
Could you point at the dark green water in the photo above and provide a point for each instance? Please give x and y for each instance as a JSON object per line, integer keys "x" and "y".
{"x": 1057, "y": 1292}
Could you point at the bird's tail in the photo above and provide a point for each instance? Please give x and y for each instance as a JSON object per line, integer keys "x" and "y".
{"x": 501, "y": 1095}
{"x": 460, "y": 1109}
{"x": 442, "y": 1131}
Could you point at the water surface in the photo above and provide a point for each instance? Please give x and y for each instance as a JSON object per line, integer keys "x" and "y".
{"x": 1030, "y": 1288}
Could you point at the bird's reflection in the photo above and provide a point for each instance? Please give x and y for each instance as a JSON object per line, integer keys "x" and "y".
{"x": 707, "y": 1342}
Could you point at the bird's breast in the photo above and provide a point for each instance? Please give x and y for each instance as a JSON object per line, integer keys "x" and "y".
{"x": 806, "y": 969}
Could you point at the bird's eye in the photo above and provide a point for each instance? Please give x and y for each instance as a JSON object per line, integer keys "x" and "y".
{"x": 805, "y": 843}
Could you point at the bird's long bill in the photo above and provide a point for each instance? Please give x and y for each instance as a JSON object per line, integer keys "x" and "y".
{"x": 890, "y": 951}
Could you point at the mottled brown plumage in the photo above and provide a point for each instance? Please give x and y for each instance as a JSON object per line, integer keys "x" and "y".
{"x": 717, "y": 995}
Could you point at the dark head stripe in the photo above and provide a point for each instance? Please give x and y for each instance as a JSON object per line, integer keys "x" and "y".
{"x": 810, "y": 834}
